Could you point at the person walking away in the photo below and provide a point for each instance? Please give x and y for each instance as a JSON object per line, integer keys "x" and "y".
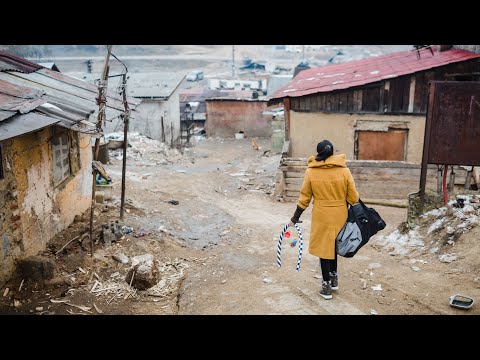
{"x": 329, "y": 182}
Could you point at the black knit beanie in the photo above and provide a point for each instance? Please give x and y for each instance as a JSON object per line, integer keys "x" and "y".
{"x": 324, "y": 150}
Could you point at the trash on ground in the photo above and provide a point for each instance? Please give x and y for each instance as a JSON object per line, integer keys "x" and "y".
{"x": 461, "y": 301}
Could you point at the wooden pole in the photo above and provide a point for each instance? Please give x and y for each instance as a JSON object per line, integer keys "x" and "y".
{"x": 126, "y": 117}
{"x": 102, "y": 90}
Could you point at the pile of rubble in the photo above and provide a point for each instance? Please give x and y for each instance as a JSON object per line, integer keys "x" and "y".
{"x": 437, "y": 232}
{"x": 143, "y": 148}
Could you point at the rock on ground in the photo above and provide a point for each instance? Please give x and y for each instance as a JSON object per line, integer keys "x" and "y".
{"x": 144, "y": 271}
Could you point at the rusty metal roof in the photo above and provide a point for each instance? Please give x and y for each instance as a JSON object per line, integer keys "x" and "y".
{"x": 14, "y": 98}
{"x": 23, "y": 124}
{"x": 356, "y": 73}
{"x": 9, "y": 62}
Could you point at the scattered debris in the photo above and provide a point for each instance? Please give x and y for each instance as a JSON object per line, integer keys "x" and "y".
{"x": 224, "y": 281}
{"x": 374, "y": 265}
{"x": 415, "y": 268}
{"x": 81, "y": 270}
{"x": 373, "y": 312}
{"x": 40, "y": 308}
{"x": 5, "y": 293}
{"x": 317, "y": 276}
{"x": 64, "y": 246}
{"x": 173, "y": 202}
{"x": 96, "y": 308}
{"x": 141, "y": 234}
{"x": 364, "y": 283}
{"x": 16, "y": 303}
{"x": 81, "y": 307}
{"x": 59, "y": 301}
{"x": 377, "y": 287}
{"x": 267, "y": 281}
{"x": 21, "y": 285}
{"x": 121, "y": 257}
{"x": 447, "y": 258}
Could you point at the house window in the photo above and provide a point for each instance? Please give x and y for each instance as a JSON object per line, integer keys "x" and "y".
{"x": 61, "y": 158}
{"x": 382, "y": 145}
{"x": 2, "y": 171}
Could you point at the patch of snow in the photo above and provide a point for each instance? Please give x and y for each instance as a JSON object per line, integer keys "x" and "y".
{"x": 435, "y": 225}
{"x": 389, "y": 76}
{"x": 289, "y": 90}
{"x": 375, "y": 72}
{"x": 434, "y": 250}
{"x": 357, "y": 75}
{"x": 447, "y": 258}
{"x": 333, "y": 75}
{"x": 337, "y": 82}
{"x": 312, "y": 78}
{"x": 436, "y": 212}
{"x": 50, "y": 106}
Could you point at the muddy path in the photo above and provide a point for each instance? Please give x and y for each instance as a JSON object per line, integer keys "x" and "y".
{"x": 212, "y": 222}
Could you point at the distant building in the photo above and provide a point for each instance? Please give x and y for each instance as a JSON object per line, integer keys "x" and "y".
{"x": 227, "y": 116}
{"x": 239, "y": 84}
{"x": 158, "y": 115}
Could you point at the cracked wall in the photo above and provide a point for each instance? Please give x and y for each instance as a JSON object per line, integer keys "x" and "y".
{"x": 34, "y": 209}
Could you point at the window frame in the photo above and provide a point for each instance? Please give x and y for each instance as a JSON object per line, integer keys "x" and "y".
{"x": 64, "y": 149}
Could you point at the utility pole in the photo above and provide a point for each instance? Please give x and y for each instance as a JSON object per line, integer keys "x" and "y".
{"x": 233, "y": 61}
{"x": 101, "y": 100}
{"x": 126, "y": 117}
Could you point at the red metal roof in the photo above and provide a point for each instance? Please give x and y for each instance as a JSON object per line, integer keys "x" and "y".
{"x": 369, "y": 70}
{"x": 9, "y": 62}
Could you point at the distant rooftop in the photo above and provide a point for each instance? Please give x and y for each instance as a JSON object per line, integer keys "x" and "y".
{"x": 153, "y": 85}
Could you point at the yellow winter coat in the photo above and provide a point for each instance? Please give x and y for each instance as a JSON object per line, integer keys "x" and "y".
{"x": 331, "y": 184}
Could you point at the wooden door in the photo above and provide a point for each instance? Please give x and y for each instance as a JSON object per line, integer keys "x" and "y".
{"x": 382, "y": 145}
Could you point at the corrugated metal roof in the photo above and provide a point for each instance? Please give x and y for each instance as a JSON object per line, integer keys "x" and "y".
{"x": 369, "y": 70}
{"x": 153, "y": 85}
{"x": 14, "y": 98}
{"x": 63, "y": 93}
{"x": 23, "y": 124}
{"x": 6, "y": 114}
{"x": 9, "y": 62}
{"x": 227, "y": 98}
{"x": 189, "y": 95}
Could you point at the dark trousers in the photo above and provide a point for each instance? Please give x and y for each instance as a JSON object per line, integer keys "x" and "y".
{"x": 327, "y": 267}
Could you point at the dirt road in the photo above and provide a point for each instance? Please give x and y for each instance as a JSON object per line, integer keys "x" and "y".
{"x": 225, "y": 230}
{"x": 239, "y": 229}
